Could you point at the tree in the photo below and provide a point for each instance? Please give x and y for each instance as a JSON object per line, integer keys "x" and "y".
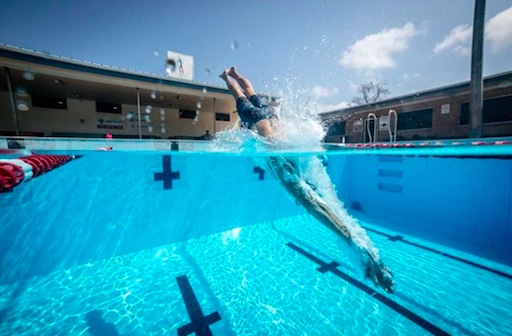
{"x": 370, "y": 92}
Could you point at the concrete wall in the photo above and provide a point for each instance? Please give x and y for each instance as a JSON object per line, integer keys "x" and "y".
{"x": 464, "y": 203}
{"x": 81, "y": 118}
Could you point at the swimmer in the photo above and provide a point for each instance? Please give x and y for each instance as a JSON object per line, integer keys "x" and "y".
{"x": 261, "y": 118}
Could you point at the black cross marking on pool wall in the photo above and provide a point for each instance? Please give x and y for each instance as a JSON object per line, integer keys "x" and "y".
{"x": 260, "y": 172}
{"x": 199, "y": 324}
{"x": 167, "y": 175}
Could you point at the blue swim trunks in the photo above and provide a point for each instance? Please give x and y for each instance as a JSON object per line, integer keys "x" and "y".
{"x": 253, "y": 110}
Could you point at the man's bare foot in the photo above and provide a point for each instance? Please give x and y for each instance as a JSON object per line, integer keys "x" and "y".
{"x": 224, "y": 75}
{"x": 233, "y": 73}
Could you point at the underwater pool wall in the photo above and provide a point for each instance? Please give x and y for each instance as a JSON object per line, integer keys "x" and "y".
{"x": 463, "y": 203}
{"x": 106, "y": 204}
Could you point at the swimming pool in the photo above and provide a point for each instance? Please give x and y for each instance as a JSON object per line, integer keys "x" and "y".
{"x": 161, "y": 242}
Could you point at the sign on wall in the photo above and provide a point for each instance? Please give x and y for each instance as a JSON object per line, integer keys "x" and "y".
{"x": 383, "y": 123}
{"x": 179, "y": 65}
{"x": 109, "y": 123}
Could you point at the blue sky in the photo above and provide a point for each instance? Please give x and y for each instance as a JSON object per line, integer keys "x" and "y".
{"x": 320, "y": 49}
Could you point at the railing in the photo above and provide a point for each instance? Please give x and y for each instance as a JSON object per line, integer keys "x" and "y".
{"x": 392, "y": 134}
{"x": 375, "y": 136}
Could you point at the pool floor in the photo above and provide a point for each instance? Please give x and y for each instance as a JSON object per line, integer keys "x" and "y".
{"x": 286, "y": 277}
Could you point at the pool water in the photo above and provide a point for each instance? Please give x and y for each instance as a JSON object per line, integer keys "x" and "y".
{"x": 107, "y": 244}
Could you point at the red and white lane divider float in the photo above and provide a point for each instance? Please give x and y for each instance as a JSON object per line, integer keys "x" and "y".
{"x": 15, "y": 171}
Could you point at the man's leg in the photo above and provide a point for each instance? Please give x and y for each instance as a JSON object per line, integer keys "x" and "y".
{"x": 233, "y": 85}
{"x": 242, "y": 81}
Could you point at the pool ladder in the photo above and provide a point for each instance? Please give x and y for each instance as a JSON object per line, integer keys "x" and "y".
{"x": 391, "y": 127}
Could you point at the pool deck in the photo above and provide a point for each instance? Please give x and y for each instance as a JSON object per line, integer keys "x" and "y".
{"x": 485, "y": 146}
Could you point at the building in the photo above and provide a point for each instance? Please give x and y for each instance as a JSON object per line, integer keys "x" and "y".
{"x": 47, "y": 95}
{"x": 441, "y": 113}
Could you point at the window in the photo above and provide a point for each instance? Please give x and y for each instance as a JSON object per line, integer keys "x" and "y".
{"x": 494, "y": 110}
{"x": 186, "y": 114}
{"x": 50, "y": 103}
{"x": 337, "y": 128}
{"x": 222, "y": 116}
{"x": 108, "y": 107}
{"x": 415, "y": 119}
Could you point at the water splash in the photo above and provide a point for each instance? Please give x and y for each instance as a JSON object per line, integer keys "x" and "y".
{"x": 28, "y": 75}
{"x": 22, "y": 105}
{"x": 21, "y": 92}
{"x": 148, "y": 109}
{"x": 234, "y": 45}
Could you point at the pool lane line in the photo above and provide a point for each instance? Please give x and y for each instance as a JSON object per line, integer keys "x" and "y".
{"x": 395, "y": 238}
{"x": 330, "y": 267}
{"x": 199, "y": 324}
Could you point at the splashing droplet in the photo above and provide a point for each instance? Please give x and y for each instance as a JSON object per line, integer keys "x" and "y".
{"x": 129, "y": 115}
{"x": 148, "y": 108}
{"x": 153, "y": 95}
{"x": 162, "y": 129}
{"x": 21, "y": 105}
{"x": 208, "y": 71}
{"x": 150, "y": 128}
{"x": 156, "y": 52}
{"x": 21, "y": 92}
{"x": 28, "y": 75}
{"x": 162, "y": 111}
{"x": 147, "y": 118}
{"x": 199, "y": 104}
{"x": 204, "y": 90}
{"x": 234, "y": 45}
{"x": 162, "y": 118}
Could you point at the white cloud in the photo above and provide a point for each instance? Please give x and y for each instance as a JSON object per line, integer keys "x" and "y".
{"x": 499, "y": 30}
{"x": 376, "y": 51}
{"x": 322, "y": 92}
{"x": 457, "y": 41}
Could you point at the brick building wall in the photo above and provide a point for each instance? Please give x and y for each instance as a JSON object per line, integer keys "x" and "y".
{"x": 446, "y": 106}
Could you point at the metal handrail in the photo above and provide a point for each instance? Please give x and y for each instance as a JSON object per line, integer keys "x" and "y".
{"x": 375, "y": 127}
{"x": 392, "y": 135}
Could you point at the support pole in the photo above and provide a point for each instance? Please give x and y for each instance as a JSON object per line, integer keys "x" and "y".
{"x": 476, "y": 84}
{"x": 214, "y": 118}
{"x": 13, "y": 101}
{"x": 138, "y": 113}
